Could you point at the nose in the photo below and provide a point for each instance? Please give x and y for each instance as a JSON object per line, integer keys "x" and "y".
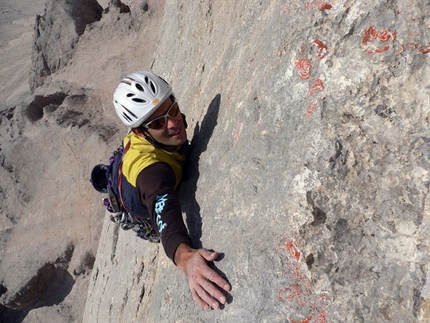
{"x": 172, "y": 122}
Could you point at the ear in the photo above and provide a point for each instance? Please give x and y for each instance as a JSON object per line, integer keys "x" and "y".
{"x": 138, "y": 132}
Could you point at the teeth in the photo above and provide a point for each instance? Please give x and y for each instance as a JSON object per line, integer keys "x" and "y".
{"x": 176, "y": 133}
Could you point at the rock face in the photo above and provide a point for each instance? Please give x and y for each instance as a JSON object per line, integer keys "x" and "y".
{"x": 51, "y": 217}
{"x": 309, "y": 122}
{"x": 56, "y": 33}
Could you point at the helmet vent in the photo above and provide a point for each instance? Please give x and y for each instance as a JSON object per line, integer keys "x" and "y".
{"x": 126, "y": 117}
{"x": 140, "y": 87}
{"x": 152, "y": 87}
{"x": 126, "y": 81}
{"x": 139, "y": 100}
{"x": 132, "y": 114}
{"x": 151, "y": 84}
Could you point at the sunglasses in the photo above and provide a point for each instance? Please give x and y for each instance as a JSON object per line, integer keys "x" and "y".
{"x": 161, "y": 121}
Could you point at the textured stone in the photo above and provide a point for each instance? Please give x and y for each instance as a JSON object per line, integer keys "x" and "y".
{"x": 50, "y": 140}
{"x": 56, "y": 33}
{"x": 318, "y": 157}
{"x": 310, "y": 125}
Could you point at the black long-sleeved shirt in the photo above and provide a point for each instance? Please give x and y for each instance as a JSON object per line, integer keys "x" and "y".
{"x": 156, "y": 190}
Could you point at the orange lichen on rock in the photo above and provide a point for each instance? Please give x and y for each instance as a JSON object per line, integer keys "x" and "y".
{"x": 304, "y": 67}
{"x": 324, "y": 6}
{"x": 371, "y": 34}
{"x": 322, "y": 48}
{"x": 317, "y": 86}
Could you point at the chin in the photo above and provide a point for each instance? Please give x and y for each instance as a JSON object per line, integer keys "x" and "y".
{"x": 175, "y": 141}
{"x": 180, "y": 141}
{"x": 181, "y": 138}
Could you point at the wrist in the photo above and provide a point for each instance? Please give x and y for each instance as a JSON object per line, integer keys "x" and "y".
{"x": 182, "y": 254}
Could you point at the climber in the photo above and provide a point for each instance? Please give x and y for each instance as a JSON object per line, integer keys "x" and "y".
{"x": 153, "y": 162}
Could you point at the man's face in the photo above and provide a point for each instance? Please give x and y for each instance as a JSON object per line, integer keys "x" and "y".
{"x": 173, "y": 133}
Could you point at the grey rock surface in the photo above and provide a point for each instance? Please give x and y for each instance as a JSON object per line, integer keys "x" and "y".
{"x": 56, "y": 33}
{"x": 50, "y": 140}
{"x": 310, "y": 126}
{"x": 313, "y": 163}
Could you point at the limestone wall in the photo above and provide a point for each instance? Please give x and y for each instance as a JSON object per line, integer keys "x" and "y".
{"x": 311, "y": 164}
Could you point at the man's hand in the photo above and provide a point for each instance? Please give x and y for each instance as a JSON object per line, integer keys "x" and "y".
{"x": 204, "y": 282}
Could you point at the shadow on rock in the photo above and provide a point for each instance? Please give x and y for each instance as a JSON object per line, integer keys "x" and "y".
{"x": 49, "y": 287}
{"x": 228, "y": 296}
{"x": 11, "y": 316}
{"x": 199, "y": 143}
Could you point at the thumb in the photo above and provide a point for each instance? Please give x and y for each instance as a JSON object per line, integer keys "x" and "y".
{"x": 209, "y": 255}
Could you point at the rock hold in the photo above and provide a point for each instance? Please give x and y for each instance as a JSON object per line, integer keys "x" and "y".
{"x": 123, "y": 8}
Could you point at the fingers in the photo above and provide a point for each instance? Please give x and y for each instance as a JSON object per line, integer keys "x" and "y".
{"x": 207, "y": 287}
{"x": 214, "y": 277}
{"x": 206, "y": 284}
{"x": 209, "y": 255}
{"x": 211, "y": 274}
{"x": 196, "y": 297}
{"x": 204, "y": 298}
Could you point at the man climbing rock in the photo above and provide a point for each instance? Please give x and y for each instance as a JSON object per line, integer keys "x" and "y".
{"x": 153, "y": 164}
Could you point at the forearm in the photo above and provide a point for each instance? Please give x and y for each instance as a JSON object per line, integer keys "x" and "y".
{"x": 155, "y": 187}
{"x": 168, "y": 222}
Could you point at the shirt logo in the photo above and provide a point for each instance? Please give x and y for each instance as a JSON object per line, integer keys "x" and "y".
{"x": 159, "y": 207}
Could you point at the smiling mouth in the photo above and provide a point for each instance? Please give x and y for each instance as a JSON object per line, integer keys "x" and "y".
{"x": 176, "y": 133}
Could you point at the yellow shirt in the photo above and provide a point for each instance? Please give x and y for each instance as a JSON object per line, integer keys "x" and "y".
{"x": 142, "y": 154}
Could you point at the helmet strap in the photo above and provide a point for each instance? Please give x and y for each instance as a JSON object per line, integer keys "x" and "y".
{"x": 154, "y": 142}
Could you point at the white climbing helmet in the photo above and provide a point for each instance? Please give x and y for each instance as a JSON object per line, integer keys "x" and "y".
{"x": 138, "y": 96}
